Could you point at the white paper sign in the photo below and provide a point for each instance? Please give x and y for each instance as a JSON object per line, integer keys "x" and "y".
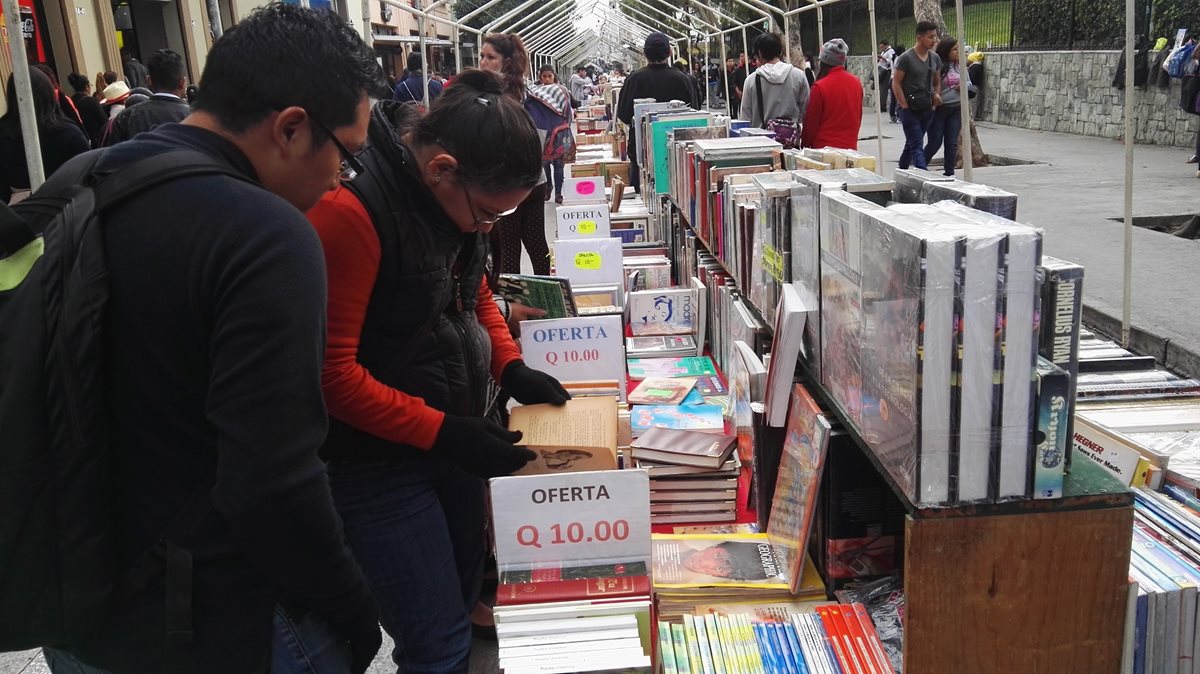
{"x": 587, "y": 221}
{"x": 576, "y": 349}
{"x": 588, "y": 190}
{"x": 590, "y": 262}
{"x": 591, "y": 517}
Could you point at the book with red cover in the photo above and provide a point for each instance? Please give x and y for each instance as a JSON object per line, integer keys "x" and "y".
{"x": 840, "y": 639}
{"x": 611, "y": 587}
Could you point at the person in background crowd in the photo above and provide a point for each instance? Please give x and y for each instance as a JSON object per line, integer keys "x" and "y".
{"x": 579, "y": 85}
{"x": 191, "y": 94}
{"x": 893, "y": 104}
{"x": 69, "y": 110}
{"x": 136, "y": 74}
{"x": 947, "y": 118}
{"x": 411, "y": 88}
{"x": 554, "y": 167}
{"x": 102, "y": 81}
{"x": 916, "y": 84}
{"x": 697, "y": 88}
{"x": 835, "y": 108}
{"x": 216, "y": 334}
{"x": 59, "y": 139}
{"x": 883, "y": 70}
{"x": 89, "y": 108}
{"x": 776, "y": 89}
{"x": 975, "y": 73}
{"x": 505, "y": 54}
{"x": 413, "y": 337}
{"x": 657, "y": 80}
{"x": 115, "y": 97}
{"x": 737, "y": 83}
{"x": 716, "y": 97}
{"x": 168, "y": 79}
{"x": 808, "y": 69}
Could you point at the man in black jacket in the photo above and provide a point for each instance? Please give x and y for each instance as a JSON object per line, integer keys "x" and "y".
{"x": 168, "y": 80}
{"x": 216, "y": 338}
{"x": 658, "y": 80}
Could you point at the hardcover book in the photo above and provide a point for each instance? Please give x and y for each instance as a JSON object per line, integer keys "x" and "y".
{"x": 684, "y": 448}
{"x": 1053, "y": 386}
{"x": 604, "y": 587}
{"x": 551, "y": 294}
{"x": 1062, "y": 315}
{"x": 662, "y": 391}
{"x": 690, "y": 417}
{"x": 665, "y": 311}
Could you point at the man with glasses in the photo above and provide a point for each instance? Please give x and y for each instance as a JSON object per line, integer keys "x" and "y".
{"x": 216, "y": 336}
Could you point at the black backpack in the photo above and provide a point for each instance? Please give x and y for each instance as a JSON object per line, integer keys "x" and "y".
{"x": 58, "y": 555}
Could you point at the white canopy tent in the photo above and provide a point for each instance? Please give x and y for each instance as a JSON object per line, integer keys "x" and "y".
{"x": 550, "y": 41}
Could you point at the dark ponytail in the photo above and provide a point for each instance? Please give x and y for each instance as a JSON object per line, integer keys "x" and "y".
{"x": 491, "y": 135}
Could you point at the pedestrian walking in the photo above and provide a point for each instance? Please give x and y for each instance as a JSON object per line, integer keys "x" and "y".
{"x": 658, "y": 80}
{"x": 883, "y": 67}
{"x": 916, "y": 84}
{"x": 946, "y": 127}
{"x": 775, "y": 90}
{"x": 835, "y": 107}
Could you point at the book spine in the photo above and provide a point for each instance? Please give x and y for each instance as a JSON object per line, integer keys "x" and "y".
{"x": 1062, "y": 309}
{"x": 666, "y": 648}
{"x": 1052, "y": 424}
{"x": 608, "y": 587}
{"x": 872, "y": 637}
{"x": 766, "y": 648}
{"x": 683, "y": 660}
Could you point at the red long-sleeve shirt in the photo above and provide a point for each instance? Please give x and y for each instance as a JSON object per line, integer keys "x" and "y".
{"x": 352, "y": 394}
{"x": 835, "y": 110}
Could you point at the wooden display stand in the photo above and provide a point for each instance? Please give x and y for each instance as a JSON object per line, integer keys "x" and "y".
{"x": 1024, "y": 587}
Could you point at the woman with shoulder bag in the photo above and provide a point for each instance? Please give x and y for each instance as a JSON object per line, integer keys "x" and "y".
{"x": 947, "y": 119}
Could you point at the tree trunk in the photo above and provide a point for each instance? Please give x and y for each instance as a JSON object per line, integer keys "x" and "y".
{"x": 978, "y": 156}
{"x": 930, "y": 10}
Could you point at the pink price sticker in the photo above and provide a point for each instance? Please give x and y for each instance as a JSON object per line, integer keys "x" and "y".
{"x": 586, "y": 188}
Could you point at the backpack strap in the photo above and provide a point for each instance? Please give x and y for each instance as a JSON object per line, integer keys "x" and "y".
{"x": 759, "y": 94}
{"x": 146, "y": 174}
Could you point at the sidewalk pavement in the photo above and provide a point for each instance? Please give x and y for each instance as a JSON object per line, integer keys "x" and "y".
{"x": 1072, "y": 195}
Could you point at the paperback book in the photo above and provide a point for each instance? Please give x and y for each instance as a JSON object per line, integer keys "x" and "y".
{"x": 551, "y": 294}
{"x": 662, "y": 391}
{"x": 683, "y": 448}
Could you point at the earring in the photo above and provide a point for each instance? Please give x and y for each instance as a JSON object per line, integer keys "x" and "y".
{"x": 437, "y": 178}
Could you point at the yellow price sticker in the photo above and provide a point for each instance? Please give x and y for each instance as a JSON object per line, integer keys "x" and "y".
{"x": 586, "y": 227}
{"x": 587, "y": 260}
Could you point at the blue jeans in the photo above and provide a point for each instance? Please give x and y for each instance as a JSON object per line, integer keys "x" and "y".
{"x": 915, "y": 125}
{"x": 304, "y": 645}
{"x": 417, "y": 529}
{"x": 557, "y": 177}
{"x": 946, "y": 127}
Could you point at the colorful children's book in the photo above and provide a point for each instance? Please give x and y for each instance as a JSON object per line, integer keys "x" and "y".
{"x": 692, "y": 417}
{"x": 662, "y": 391}
{"x": 695, "y": 366}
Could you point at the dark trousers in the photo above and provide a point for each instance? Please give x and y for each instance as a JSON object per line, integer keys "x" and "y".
{"x": 416, "y": 527}
{"x": 885, "y": 91}
{"x": 527, "y": 226}
{"x": 945, "y": 128}
{"x": 915, "y": 124}
{"x": 554, "y": 174}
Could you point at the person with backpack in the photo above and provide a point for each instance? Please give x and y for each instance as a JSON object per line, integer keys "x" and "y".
{"x": 917, "y": 86}
{"x": 835, "y": 108}
{"x": 560, "y": 141}
{"x": 93, "y": 116}
{"x": 776, "y": 93}
{"x": 505, "y": 55}
{"x": 193, "y": 525}
{"x": 414, "y": 337}
{"x": 59, "y": 139}
{"x": 411, "y": 88}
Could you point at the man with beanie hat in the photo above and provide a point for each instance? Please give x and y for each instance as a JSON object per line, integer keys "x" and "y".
{"x": 776, "y": 90}
{"x": 658, "y": 80}
{"x": 835, "y": 108}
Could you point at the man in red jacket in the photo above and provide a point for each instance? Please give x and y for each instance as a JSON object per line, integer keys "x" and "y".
{"x": 835, "y": 107}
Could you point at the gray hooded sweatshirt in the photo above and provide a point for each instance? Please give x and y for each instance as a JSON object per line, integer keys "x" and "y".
{"x": 784, "y": 94}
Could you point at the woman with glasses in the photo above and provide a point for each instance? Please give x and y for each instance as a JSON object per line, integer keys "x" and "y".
{"x": 413, "y": 338}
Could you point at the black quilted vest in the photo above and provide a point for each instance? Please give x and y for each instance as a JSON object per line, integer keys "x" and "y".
{"x": 421, "y": 334}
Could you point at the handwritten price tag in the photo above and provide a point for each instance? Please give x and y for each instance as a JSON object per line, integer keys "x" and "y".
{"x": 590, "y": 516}
{"x": 586, "y": 227}
{"x": 587, "y": 260}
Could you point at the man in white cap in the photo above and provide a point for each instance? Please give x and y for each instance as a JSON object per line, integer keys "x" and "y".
{"x": 835, "y": 108}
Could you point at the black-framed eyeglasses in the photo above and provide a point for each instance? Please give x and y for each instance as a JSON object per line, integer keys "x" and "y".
{"x": 351, "y": 167}
{"x": 483, "y": 221}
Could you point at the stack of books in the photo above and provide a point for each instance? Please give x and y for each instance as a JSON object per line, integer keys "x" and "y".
{"x": 691, "y": 570}
{"x": 573, "y": 619}
{"x": 663, "y": 347}
{"x": 693, "y": 475}
{"x": 832, "y": 639}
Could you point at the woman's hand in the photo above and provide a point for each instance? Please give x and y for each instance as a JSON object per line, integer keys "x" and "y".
{"x": 520, "y": 312}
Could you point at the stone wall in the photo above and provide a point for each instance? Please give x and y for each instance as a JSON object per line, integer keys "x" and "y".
{"x": 1072, "y": 92}
{"x": 864, "y": 68}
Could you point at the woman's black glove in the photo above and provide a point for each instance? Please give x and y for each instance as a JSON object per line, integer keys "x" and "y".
{"x": 530, "y": 387}
{"x": 481, "y": 446}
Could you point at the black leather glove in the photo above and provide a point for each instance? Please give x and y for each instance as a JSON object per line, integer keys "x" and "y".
{"x": 530, "y": 387}
{"x": 481, "y": 446}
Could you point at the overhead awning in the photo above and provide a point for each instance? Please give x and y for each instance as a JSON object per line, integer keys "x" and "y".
{"x": 379, "y": 41}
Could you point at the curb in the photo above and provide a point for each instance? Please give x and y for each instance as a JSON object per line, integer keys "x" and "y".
{"x": 1167, "y": 353}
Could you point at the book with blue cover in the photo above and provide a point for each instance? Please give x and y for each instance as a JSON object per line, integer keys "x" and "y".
{"x": 682, "y": 417}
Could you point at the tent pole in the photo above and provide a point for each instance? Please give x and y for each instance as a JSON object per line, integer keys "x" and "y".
{"x": 24, "y": 102}
{"x": 787, "y": 38}
{"x": 1127, "y": 290}
{"x": 821, "y": 25}
{"x": 964, "y": 100}
{"x": 875, "y": 80}
{"x": 724, "y": 75}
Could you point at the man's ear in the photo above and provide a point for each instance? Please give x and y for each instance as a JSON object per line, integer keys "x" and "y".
{"x": 290, "y": 129}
